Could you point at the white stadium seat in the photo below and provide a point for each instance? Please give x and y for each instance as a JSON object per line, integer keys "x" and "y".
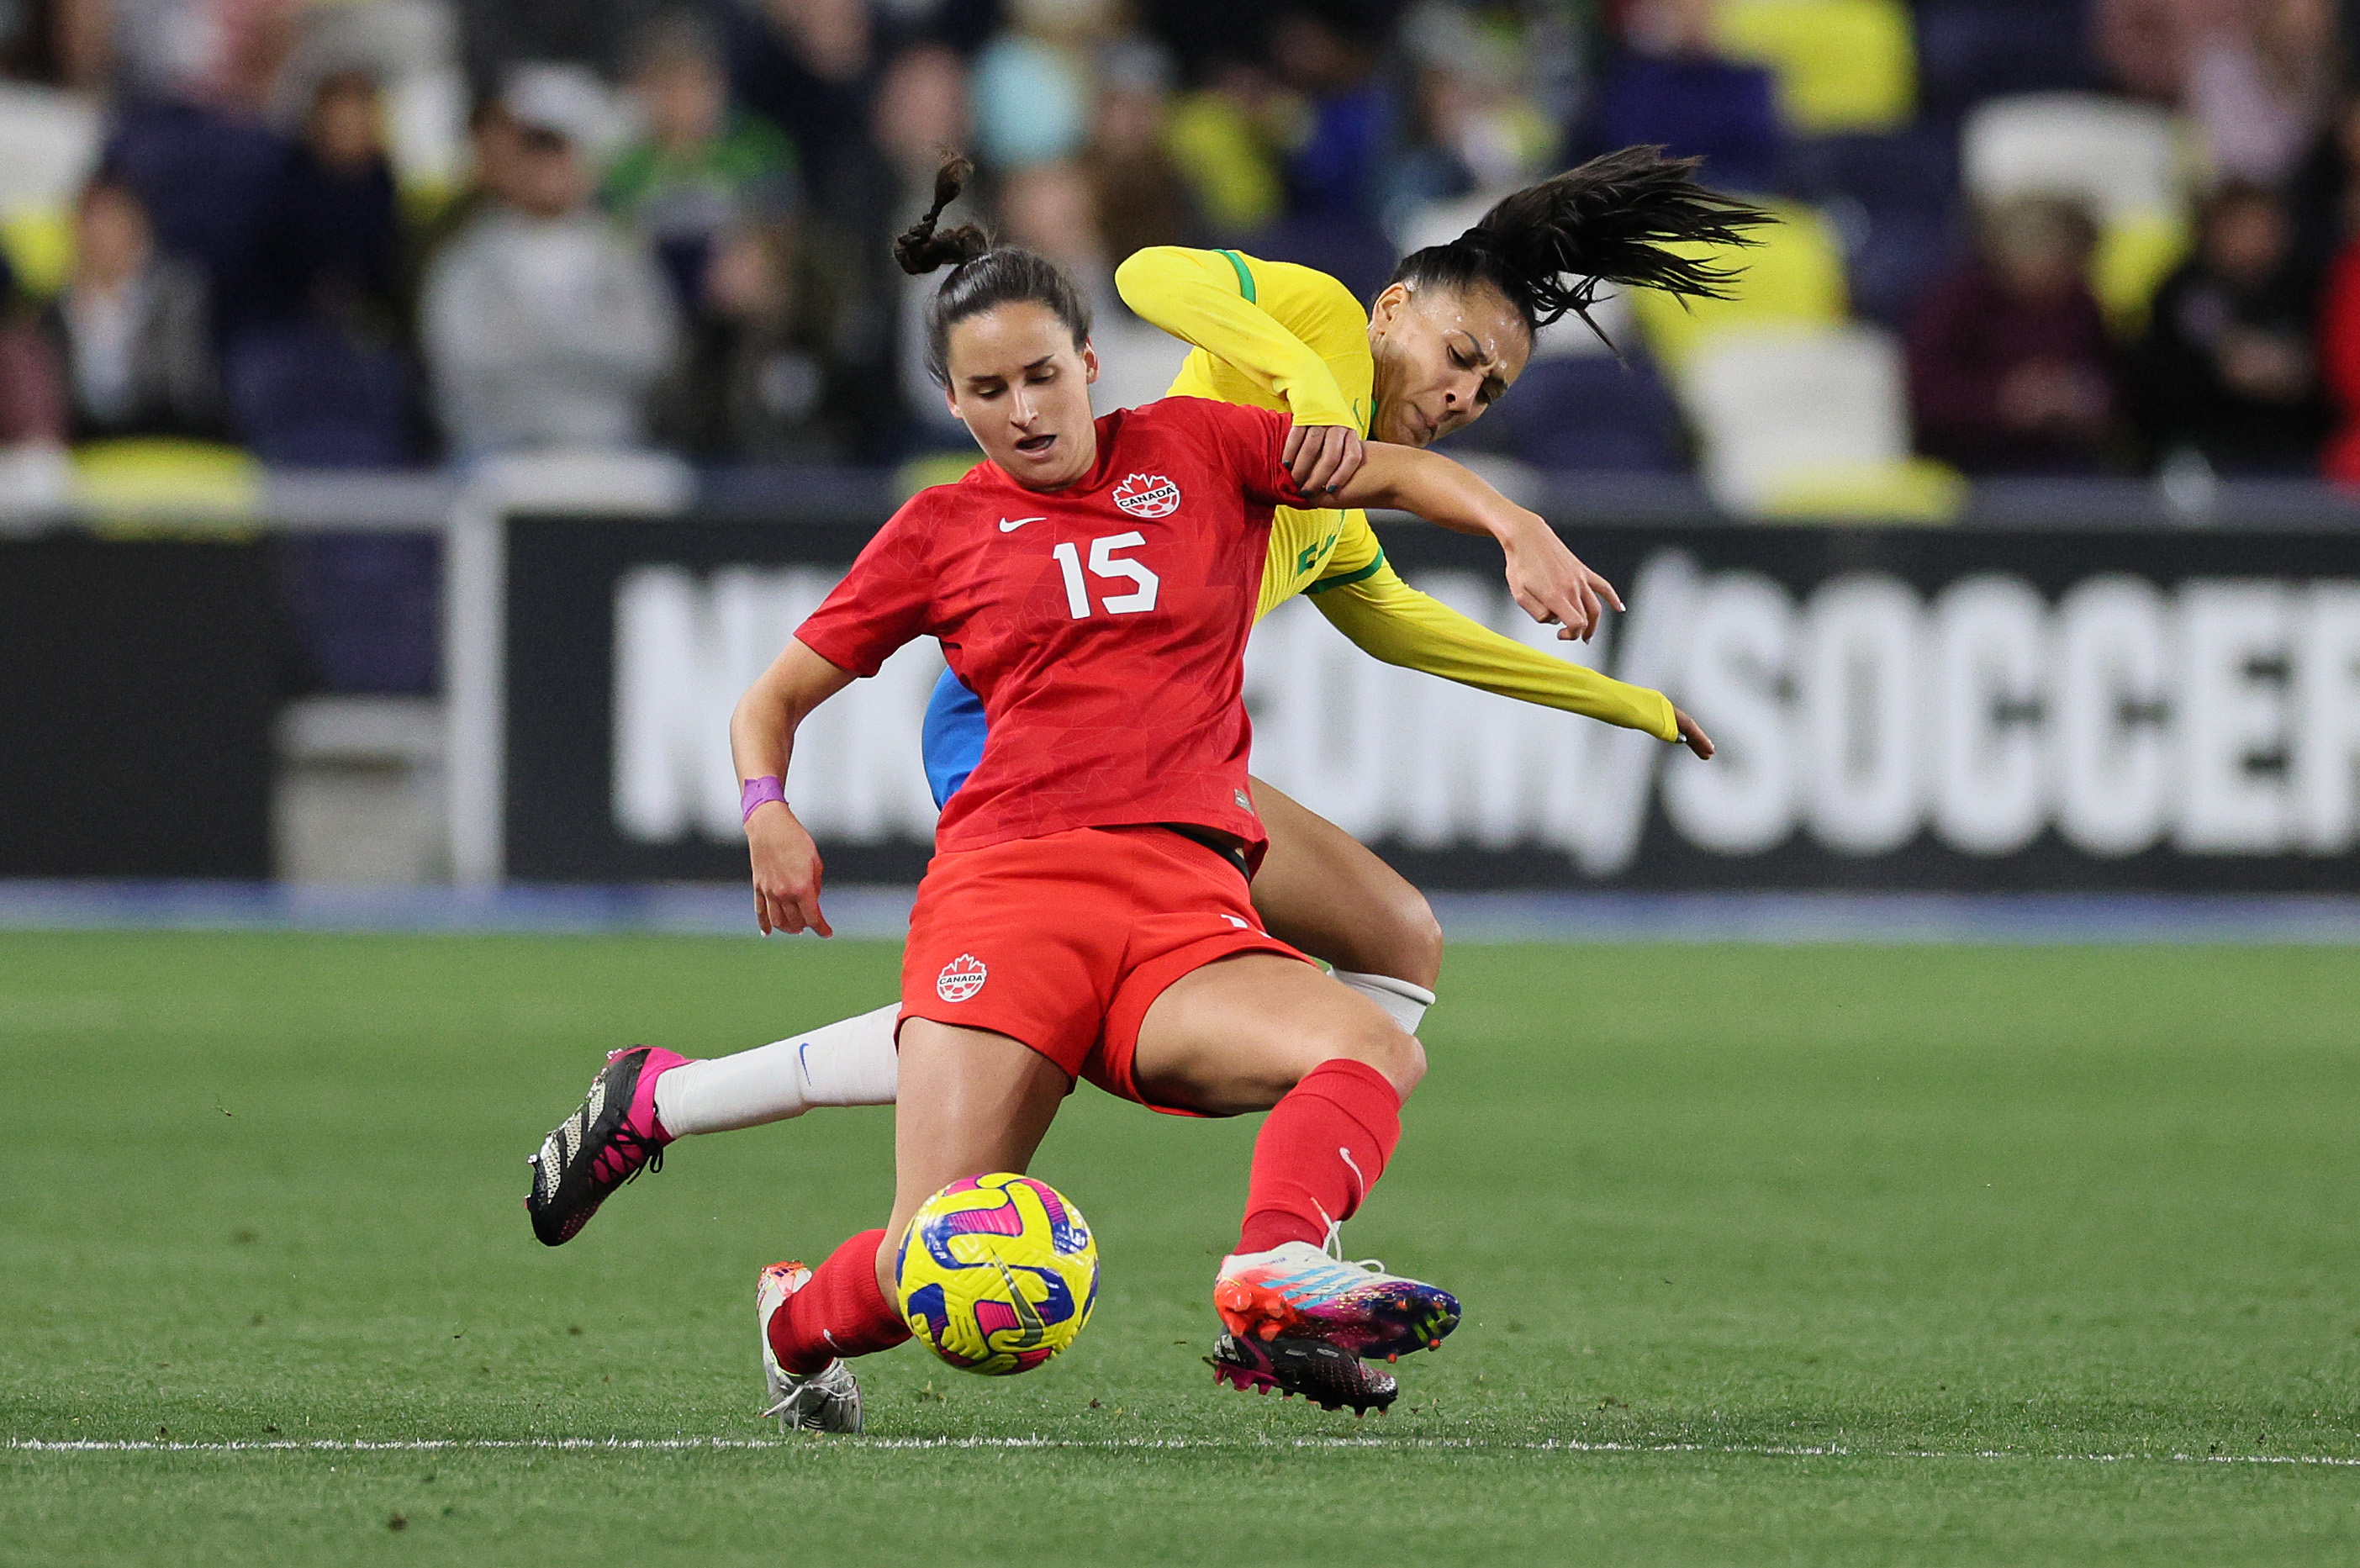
{"x": 2124, "y": 158}
{"x": 1809, "y": 418}
{"x": 48, "y": 145}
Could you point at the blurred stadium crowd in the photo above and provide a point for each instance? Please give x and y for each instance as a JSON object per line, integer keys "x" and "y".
{"x": 2023, "y": 236}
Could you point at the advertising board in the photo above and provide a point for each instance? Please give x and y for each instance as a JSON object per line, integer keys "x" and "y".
{"x": 1935, "y": 708}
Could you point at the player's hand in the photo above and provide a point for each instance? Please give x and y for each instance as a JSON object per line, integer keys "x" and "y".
{"x": 1692, "y": 734}
{"x": 1551, "y": 583}
{"x": 1323, "y": 458}
{"x": 786, "y": 872}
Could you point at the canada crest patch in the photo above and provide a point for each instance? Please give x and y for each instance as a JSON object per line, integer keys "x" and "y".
{"x": 1147, "y": 495}
{"x": 962, "y": 977}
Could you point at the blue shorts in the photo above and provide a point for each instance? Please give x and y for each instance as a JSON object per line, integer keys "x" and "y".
{"x": 951, "y": 737}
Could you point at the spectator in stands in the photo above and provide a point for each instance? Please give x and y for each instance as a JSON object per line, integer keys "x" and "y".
{"x": 2255, "y": 75}
{"x": 497, "y": 36}
{"x": 1476, "y": 134}
{"x": 2323, "y": 196}
{"x": 1670, "y": 86}
{"x": 922, "y": 108}
{"x": 1141, "y": 198}
{"x": 131, "y": 328}
{"x": 315, "y": 368}
{"x": 811, "y": 67}
{"x": 816, "y": 68}
{"x": 1031, "y": 89}
{"x": 2226, "y": 366}
{"x": 2339, "y": 364}
{"x": 32, "y": 382}
{"x": 2010, "y": 370}
{"x": 543, "y": 324}
{"x": 1330, "y": 54}
{"x": 330, "y": 247}
{"x": 62, "y": 43}
{"x": 760, "y": 379}
{"x": 702, "y": 171}
{"x": 187, "y": 134}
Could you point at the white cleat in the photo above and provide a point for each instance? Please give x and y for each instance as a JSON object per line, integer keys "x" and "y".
{"x": 826, "y": 1400}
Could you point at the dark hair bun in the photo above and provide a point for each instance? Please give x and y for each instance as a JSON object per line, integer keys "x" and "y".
{"x": 920, "y": 249}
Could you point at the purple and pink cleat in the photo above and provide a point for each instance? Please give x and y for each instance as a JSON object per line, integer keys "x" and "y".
{"x": 1303, "y": 1320}
{"x": 611, "y": 1138}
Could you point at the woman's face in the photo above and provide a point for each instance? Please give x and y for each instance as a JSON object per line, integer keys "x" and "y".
{"x": 1443, "y": 356}
{"x": 1022, "y": 390}
{"x": 112, "y": 243}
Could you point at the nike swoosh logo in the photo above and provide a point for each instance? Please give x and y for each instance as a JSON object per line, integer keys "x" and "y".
{"x": 1008, "y": 527}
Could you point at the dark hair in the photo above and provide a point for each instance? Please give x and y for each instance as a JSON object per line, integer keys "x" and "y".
{"x": 983, "y": 276}
{"x": 1548, "y": 246}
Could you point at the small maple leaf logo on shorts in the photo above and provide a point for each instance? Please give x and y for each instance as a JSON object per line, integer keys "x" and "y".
{"x": 962, "y": 977}
{"x": 1147, "y": 495}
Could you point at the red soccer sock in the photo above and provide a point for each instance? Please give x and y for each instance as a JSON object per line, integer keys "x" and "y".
{"x": 840, "y": 1312}
{"x": 1320, "y": 1151}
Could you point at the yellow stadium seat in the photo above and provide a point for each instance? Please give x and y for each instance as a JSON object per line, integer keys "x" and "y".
{"x": 1842, "y": 66}
{"x": 141, "y": 484}
{"x": 2136, "y": 251}
{"x": 1795, "y": 276}
{"x": 930, "y": 469}
{"x": 1220, "y": 154}
{"x": 39, "y": 241}
{"x": 1880, "y": 490}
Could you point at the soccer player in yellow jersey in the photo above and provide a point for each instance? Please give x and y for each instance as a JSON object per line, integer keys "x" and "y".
{"x": 1448, "y": 336}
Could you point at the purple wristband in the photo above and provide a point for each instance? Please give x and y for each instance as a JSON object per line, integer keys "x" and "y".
{"x": 758, "y": 790}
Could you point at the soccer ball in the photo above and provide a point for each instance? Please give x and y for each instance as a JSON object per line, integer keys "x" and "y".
{"x": 997, "y": 1274}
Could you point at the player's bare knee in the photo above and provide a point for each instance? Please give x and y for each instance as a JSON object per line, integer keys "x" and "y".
{"x": 1379, "y": 1044}
{"x": 1404, "y": 1062}
{"x": 1406, "y": 940}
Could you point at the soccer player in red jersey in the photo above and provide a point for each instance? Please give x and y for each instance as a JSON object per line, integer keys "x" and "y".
{"x": 1086, "y": 913}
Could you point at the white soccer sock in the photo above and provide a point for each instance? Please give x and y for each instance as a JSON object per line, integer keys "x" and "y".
{"x": 1405, "y": 1002}
{"x": 849, "y": 1062}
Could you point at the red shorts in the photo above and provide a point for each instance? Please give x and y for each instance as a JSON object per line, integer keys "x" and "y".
{"x": 1064, "y": 942}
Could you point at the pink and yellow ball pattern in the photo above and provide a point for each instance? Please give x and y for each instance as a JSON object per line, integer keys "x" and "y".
{"x": 997, "y": 1274}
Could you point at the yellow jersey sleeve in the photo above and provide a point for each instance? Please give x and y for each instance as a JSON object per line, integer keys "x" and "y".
{"x": 1386, "y": 617}
{"x": 1268, "y": 334}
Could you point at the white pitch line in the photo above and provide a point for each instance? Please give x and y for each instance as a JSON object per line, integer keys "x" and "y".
{"x": 1543, "y": 1445}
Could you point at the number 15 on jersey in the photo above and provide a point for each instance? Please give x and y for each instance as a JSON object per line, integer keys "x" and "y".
{"x": 1104, "y": 563}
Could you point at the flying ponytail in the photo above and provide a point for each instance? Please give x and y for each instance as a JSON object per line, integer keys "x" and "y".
{"x": 983, "y": 277}
{"x": 919, "y": 249}
{"x": 1549, "y": 246}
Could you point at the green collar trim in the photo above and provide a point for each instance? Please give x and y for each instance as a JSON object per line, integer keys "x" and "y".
{"x": 1245, "y": 276}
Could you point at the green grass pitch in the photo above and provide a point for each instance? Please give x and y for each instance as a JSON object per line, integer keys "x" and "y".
{"x": 1771, "y": 1255}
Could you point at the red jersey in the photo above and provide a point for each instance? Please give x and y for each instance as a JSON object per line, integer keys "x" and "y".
{"x": 1104, "y": 625}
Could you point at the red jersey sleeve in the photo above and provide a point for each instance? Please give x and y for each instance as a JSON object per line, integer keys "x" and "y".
{"x": 1249, "y": 446}
{"x": 885, "y": 600}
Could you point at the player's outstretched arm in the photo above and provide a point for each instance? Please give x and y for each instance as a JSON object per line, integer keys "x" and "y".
{"x": 1390, "y": 620}
{"x": 762, "y": 739}
{"x": 1549, "y": 581}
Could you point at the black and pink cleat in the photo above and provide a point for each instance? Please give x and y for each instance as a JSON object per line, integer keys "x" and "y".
{"x": 609, "y": 1139}
{"x": 1329, "y": 1376}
